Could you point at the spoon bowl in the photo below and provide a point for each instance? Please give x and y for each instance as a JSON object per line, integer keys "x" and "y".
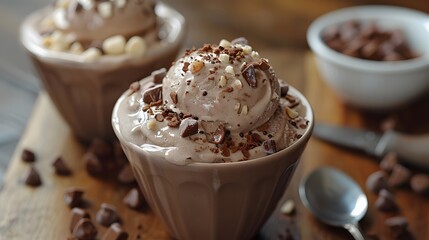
{"x": 334, "y": 198}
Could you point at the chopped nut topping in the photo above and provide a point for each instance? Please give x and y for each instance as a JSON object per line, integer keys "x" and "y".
{"x": 114, "y": 45}
{"x": 219, "y": 135}
{"x": 120, "y": 3}
{"x": 224, "y": 58}
{"x": 247, "y": 49}
{"x": 91, "y": 54}
{"x": 237, "y": 107}
{"x": 269, "y": 146}
{"x": 222, "y": 81}
{"x": 196, "y": 66}
{"x": 173, "y": 96}
{"x": 255, "y": 54}
{"x": 135, "y": 86}
{"x": 105, "y": 9}
{"x": 245, "y": 109}
{"x": 76, "y": 48}
{"x": 185, "y": 66}
{"x": 136, "y": 46}
{"x": 159, "y": 117}
{"x": 229, "y": 69}
{"x": 60, "y": 20}
{"x": 291, "y": 113}
{"x": 288, "y": 207}
{"x": 238, "y": 84}
{"x": 151, "y": 124}
{"x": 224, "y": 43}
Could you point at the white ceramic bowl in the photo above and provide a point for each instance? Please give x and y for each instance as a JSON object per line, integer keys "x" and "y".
{"x": 374, "y": 84}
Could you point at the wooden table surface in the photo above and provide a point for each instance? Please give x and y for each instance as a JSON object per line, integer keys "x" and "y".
{"x": 40, "y": 213}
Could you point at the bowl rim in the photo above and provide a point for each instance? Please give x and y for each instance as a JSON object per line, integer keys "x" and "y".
{"x": 317, "y": 45}
{"x": 253, "y": 162}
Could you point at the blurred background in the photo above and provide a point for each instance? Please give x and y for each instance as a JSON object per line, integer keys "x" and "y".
{"x": 269, "y": 25}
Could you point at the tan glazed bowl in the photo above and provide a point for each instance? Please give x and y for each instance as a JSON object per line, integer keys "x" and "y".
{"x": 214, "y": 200}
{"x": 85, "y": 92}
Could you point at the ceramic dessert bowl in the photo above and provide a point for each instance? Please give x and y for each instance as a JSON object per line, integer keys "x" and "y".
{"x": 84, "y": 92}
{"x": 374, "y": 84}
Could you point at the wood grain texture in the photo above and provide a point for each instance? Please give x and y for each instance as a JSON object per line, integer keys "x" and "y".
{"x": 40, "y": 213}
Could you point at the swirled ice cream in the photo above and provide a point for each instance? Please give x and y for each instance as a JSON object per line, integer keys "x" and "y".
{"x": 88, "y": 51}
{"x": 218, "y": 103}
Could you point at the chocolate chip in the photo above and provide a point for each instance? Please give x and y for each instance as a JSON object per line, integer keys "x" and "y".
{"x": 28, "y": 156}
{"x": 420, "y": 183}
{"x": 173, "y": 96}
{"x": 269, "y": 146}
{"x": 188, "y": 127}
{"x": 93, "y": 164}
{"x": 397, "y": 225}
{"x": 152, "y": 94}
{"x": 126, "y": 175}
{"x": 77, "y": 214}
{"x": 101, "y": 148}
{"x": 219, "y": 135}
{"x": 249, "y": 75}
{"x": 284, "y": 90}
{"x": 78, "y": 7}
{"x": 185, "y": 66}
{"x": 33, "y": 178}
{"x": 263, "y": 65}
{"x": 376, "y": 181}
{"x": 399, "y": 177}
{"x": 85, "y": 230}
{"x": 386, "y": 201}
{"x": 73, "y": 197}
{"x": 159, "y": 75}
{"x": 240, "y": 40}
{"x": 134, "y": 199}
{"x": 388, "y": 162}
{"x": 115, "y": 232}
{"x": 61, "y": 167}
{"x": 107, "y": 215}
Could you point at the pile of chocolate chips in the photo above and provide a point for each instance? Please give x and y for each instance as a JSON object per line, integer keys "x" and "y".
{"x": 368, "y": 41}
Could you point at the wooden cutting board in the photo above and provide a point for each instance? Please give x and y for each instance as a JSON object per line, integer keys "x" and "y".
{"x": 40, "y": 213}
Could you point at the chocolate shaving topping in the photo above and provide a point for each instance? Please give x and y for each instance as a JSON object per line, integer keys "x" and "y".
{"x": 134, "y": 199}
{"x": 152, "y": 94}
{"x": 126, "y": 175}
{"x": 77, "y": 214}
{"x": 249, "y": 75}
{"x": 61, "y": 167}
{"x": 73, "y": 196}
{"x": 85, "y": 230}
{"x": 263, "y": 65}
{"x": 173, "y": 96}
{"x": 28, "y": 155}
{"x": 33, "y": 178}
{"x": 115, "y": 232}
{"x": 188, "y": 127}
{"x": 93, "y": 164}
{"x": 240, "y": 40}
{"x": 284, "y": 90}
{"x": 107, "y": 215}
{"x": 219, "y": 135}
{"x": 185, "y": 66}
{"x": 269, "y": 146}
{"x": 159, "y": 75}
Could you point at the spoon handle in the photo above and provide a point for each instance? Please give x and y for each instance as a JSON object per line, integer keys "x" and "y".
{"x": 354, "y": 230}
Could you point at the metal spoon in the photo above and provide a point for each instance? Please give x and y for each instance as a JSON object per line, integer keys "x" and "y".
{"x": 334, "y": 198}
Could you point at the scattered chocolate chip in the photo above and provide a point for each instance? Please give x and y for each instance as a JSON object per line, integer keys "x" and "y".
{"x": 28, "y": 156}
{"x": 249, "y": 75}
{"x": 188, "y": 127}
{"x": 269, "y": 146}
{"x": 397, "y": 225}
{"x": 185, "y": 66}
{"x": 134, "y": 199}
{"x": 101, "y": 148}
{"x": 240, "y": 40}
{"x": 33, "y": 178}
{"x": 399, "y": 177}
{"x": 77, "y": 214}
{"x": 420, "y": 183}
{"x": 107, "y": 215}
{"x": 85, "y": 230}
{"x": 386, "y": 201}
{"x": 376, "y": 181}
{"x": 134, "y": 87}
{"x": 173, "y": 96}
{"x": 204, "y": 93}
{"x": 219, "y": 135}
{"x": 126, "y": 175}
{"x": 61, "y": 167}
{"x": 152, "y": 94}
{"x": 78, "y": 7}
{"x": 159, "y": 75}
{"x": 93, "y": 164}
{"x": 388, "y": 162}
{"x": 115, "y": 232}
{"x": 73, "y": 196}
{"x": 284, "y": 90}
